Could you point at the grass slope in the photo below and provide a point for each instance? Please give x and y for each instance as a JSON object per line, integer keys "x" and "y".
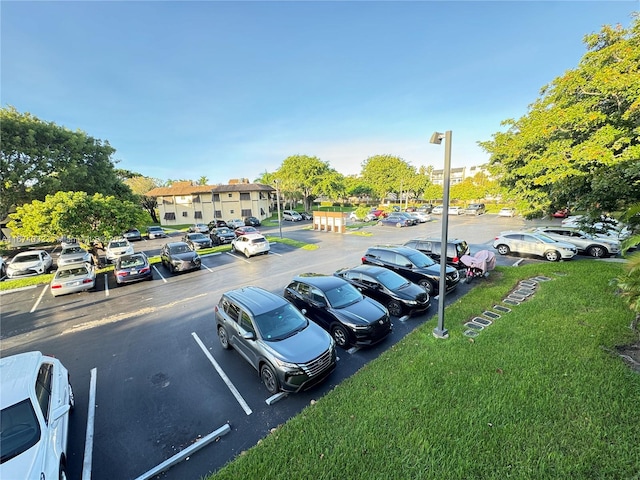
{"x": 537, "y": 395}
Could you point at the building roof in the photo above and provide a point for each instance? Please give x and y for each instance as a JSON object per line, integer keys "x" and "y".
{"x": 186, "y": 188}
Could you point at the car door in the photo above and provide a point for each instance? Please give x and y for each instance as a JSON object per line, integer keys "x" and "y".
{"x": 312, "y": 300}
{"x": 372, "y": 288}
{"x": 50, "y": 398}
{"x": 532, "y": 245}
{"x": 242, "y": 334}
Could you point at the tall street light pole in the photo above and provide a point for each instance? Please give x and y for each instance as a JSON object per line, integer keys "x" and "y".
{"x": 440, "y": 331}
{"x": 277, "y": 182}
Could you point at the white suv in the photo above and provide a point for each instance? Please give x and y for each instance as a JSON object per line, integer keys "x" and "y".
{"x": 585, "y": 243}
{"x": 533, "y": 244}
{"x": 34, "y": 422}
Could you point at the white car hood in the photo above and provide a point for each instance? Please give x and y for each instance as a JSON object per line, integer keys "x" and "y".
{"x": 25, "y": 265}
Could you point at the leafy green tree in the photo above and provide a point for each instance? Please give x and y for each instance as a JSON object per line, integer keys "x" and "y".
{"x": 356, "y": 187}
{"x": 39, "y": 158}
{"x": 386, "y": 174}
{"x": 579, "y": 143}
{"x": 76, "y": 214}
{"x": 303, "y": 177}
{"x": 140, "y": 185}
{"x": 433, "y": 192}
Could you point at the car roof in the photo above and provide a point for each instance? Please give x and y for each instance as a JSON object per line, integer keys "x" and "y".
{"x": 28, "y": 252}
{"x": 395, "y": 248}
{"x": 18, "y": 376}
{"x": 322, "y": 281}
{"x": 373, "y": 270}
{"x": 173, "y": 244}
{"x": 255, "y": 299}
{"x": 251, "y": 236}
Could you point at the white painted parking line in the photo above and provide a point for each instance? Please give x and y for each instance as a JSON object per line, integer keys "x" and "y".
{"x": 158, "y": 272}
{"x": 238, "y": 257}
{"x": 274, "y": 253}
{"x": 106, "y": 285}
{"x": 178, "y": 457}
{"x": 35, "y": 305}
{"x": 211, "y": 271}
{"x": 223, "y": 375}
{"x": 91, "y": 415}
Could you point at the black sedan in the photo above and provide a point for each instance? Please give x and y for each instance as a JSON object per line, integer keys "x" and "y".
{"x": 222, "y": 235}
{"x": 340, "y": 308}
{"x": 178, "y": 257}
{"x": 131, "y": 268}
{"x": 387, "y": 287}
{"x": 251, "y": 222}
{"x": 196, "y": 241}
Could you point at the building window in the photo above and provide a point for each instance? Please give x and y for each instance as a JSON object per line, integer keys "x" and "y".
{"x": 217, "y": 214}
{"x": 169, "y": 216}
{"x": 246, "y": 212}
{"x": 245, "y": 196}
{"x": 196, "y": 199}
{"x": 216, "y": 197}
{"x": 185, "y": 214}
{"x": 197, "y": 215}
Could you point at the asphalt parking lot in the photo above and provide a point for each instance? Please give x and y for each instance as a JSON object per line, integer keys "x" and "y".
{"x": 161, "y": 379}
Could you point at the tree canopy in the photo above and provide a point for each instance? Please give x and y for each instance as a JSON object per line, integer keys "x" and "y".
{"x": 38, "y": 158}
{"x": 579, "y": 143}
{"x": 76, "y": 214}
{"x": 387, "y": 174}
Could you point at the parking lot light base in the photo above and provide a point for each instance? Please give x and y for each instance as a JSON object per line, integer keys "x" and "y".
{"x": 440, "y": 333}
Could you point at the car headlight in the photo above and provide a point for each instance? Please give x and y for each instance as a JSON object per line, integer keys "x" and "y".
{"x": 290, "y": 368}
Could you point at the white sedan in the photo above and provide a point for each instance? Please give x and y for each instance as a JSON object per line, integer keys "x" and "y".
{"x": 33, "y": 262}
{"x": 250, "y": 244}
{"x": 455, "y": 211}
{"x": 36, "y": 400}
{"x": 507, "y": 212}
{"x": 118, "y": 248}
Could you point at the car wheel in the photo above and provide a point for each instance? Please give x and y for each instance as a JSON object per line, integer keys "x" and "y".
{"x": 340, "y": 335}
{"x": 233, "y": 248}
{"x": 503, "y": 250}
{"x": 395, "y": 308}
{"x": 552, "y": 256}
{"x": 398, "y": 225}
{"x": 428, "y": 286}
{"x": 269, "y": 379}
{"x": 597, "y": 251}
{"x": 222, "y": 336}
{"x": 379, "y": 222}
{"x": 246, "y": 254}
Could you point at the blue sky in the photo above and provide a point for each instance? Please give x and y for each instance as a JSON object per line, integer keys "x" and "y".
{"x": 230, "y": 89}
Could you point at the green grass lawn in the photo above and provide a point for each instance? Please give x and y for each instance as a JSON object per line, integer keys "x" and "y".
{"x": 540, "y": 394}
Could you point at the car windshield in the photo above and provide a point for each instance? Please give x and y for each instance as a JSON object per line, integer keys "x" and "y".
{"x": 421, "y": 260}
{"x": 343, "y": 296}
{"x": 154, "y": 229}
{"x": 19, "y": 429}
{"x": 122, "y": 243}
{"x": 280, "y": 323}
{"x": 129, "y": 262}
{"x": 27, "y": 258}
{"x": 72, "y": 272}
{"x": 222, "y": 231}
{"x": 68, "y": 250}
{"x": 391, "y": 280}
{"x": 179, "y": 249}
{"x": 197, "y": 236}
{"x": 258, "y": 240}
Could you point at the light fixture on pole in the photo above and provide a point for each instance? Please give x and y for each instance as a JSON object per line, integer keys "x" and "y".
{"x": 436, "y": 138}
{"x": 277, "y": 182}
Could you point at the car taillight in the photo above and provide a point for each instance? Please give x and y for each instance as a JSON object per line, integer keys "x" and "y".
{"x": 455, "y": 259}
{"x": 121, "y": 274}
{"x": 145, "y": 270}
{"x": 56, "y": 286}
{"x": 86, "y": 280}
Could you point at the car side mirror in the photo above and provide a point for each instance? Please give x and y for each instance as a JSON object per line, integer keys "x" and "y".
{"x": 60, "y": 411}
{"x": 249, "y": 336}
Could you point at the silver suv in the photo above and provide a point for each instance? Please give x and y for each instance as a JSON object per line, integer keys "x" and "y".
{"x": 533, "y": 243}
{"x": 585, "y": 243}
{"x": 290, "y": 352}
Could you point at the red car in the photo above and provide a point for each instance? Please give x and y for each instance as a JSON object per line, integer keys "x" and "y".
{"x": 563, "y": 213}
{"x": 245, "y": 230}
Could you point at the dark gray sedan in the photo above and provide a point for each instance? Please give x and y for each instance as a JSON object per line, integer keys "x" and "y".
{"x": 196, "y": 241}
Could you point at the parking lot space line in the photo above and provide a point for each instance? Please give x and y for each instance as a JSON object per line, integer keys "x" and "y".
{"x": 35, "y": 305}
{"x": 88, "y": 442}
{"x": 223, "y": 375}
{"x": 238, "y": 257}
{"x": 178, "y": 457}
{"x": 158, "y": 272}
{"x": 106, "y": 285}
{"x": 274, "y": 253}
{"x": 15, "y": 290}
{"x": 211, "y": 271}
